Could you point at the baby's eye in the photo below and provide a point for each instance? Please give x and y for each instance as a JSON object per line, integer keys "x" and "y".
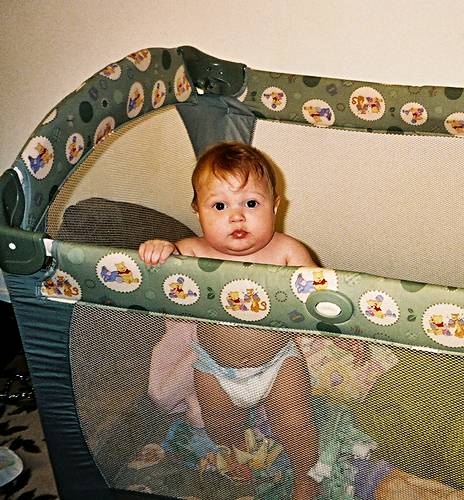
{"x": 251, "y": 203}
{"x": 219, "y": 205}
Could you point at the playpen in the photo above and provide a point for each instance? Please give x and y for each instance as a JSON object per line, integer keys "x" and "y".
{"x": 370, "y": 177}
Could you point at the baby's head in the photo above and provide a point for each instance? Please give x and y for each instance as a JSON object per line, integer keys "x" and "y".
{"x": 235, "y": 160}
{"x": 235, "y": 198}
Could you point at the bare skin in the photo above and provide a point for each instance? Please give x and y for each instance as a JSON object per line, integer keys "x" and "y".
{"x": 401, "y": 486}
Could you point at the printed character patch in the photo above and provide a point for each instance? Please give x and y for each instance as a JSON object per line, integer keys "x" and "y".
{"x": 246, "y": 300}
{"x": 414, "y": 113}
{"x": 74, "y": 148}
{"x": 367, "y": 103}
{"x": 182, "y": 87}
{"x": 379, "y": 308}
{"x": 444, "y": 323}
{"x": 119, "y": 272}
{"x": 318, "y": 113}
{"x": 61, "y": 286}
{"x": 181, "y": 289}
{"x": 158, "y": 95}
{"x": 135, "y": 100}
{"x": 104, "y": 129}
{"x": 38, "y": 157}
{"x": 274, "y": 99}
{"x": 454, "y": 124}
{"x": 306, "y": 280}
{"x": 112, "y": 71}
{"x": 141, "y": 59}
{"x": 344, "y": 369}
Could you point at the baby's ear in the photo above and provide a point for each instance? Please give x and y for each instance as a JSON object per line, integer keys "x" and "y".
{"x": 194, "y": 207}
{"x": 276, "y": 203}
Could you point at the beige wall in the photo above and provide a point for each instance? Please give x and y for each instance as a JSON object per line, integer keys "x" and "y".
{"x": 47, "y": 47}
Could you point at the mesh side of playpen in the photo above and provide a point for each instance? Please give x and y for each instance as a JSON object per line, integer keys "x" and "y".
{"x": 146, "y": 162}
{"x": 376, "y": 203}
{"x": 408, "y": 402}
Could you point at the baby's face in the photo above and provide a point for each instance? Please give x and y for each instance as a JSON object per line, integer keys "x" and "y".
{"x": 236, "y": 220}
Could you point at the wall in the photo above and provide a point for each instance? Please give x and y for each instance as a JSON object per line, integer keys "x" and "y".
{"x": 48, "y": 47}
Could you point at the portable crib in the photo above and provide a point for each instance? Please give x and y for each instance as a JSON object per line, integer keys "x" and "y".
{"x": 371, "y": 176}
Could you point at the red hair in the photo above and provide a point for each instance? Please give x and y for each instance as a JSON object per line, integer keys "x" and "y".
{"x": 236, "y": 159}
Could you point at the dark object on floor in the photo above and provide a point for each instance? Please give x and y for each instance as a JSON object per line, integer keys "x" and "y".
{"x": 17, "y": 387}
{"x": 11, "y": 340}
{"x": 15, "y": 384}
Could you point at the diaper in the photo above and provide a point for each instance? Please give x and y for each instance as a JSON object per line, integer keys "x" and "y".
{"x": 246, "y": 387}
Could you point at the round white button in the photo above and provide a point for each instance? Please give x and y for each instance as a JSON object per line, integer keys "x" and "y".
{"x": 328, "y": 309}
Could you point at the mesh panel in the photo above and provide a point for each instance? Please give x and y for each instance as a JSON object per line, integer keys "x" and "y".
{"x": 147, "y": 161}
{"x": 410, "y": 403}
{"x": 116, "y": 223}
{"x": 392, "y": 191}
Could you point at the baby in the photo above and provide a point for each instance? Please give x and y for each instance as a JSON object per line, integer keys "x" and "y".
{"x": 236, "y": 368}
{"x": 236, "y": 202}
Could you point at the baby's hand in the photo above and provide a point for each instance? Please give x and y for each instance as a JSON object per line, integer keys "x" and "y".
{"x": 153, "y": 252}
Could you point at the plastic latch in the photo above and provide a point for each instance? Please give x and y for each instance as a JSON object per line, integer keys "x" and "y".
{"x": 21, "y": 252}
{"x": 12, "y": 199}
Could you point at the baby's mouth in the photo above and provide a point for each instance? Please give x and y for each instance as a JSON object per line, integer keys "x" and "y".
{"x": 239, "y": 234}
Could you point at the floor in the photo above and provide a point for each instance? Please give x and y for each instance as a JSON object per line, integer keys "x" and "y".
{"x": 21, "y": 431}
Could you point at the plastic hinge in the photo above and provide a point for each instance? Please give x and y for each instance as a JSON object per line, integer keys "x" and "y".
{"x": 213, "y": 75}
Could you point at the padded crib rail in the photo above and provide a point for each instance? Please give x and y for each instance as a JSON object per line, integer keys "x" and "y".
{"x": 423, "y": 316}
{"x": 150, "y": 79}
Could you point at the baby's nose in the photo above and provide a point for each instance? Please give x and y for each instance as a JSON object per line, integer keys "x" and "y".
{"x": 237, "y": 215}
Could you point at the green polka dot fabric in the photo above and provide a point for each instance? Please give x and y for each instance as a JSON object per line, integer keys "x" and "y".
{"x": 347, "y": 104}
{"x": 354, "y": 304}
{"x": 144, "y": 81}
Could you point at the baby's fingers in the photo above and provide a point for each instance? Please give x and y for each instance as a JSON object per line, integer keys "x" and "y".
{"x": 145, "y": 251}
{"x": 166, "y": 251}
{"x": 150, "y": 251}
{"x": 153, "y": 252}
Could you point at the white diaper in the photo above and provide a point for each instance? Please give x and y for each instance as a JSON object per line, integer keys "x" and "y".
{"x": 245, "y": 386}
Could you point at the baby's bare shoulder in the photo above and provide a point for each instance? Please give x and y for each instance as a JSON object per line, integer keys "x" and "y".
{"x": 287, "y": 240}
{"x": 297, "y": 253}
{"x": 189, "y": 246}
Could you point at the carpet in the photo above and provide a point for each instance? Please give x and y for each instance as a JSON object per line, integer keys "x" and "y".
{"x": 21, "y": 432}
